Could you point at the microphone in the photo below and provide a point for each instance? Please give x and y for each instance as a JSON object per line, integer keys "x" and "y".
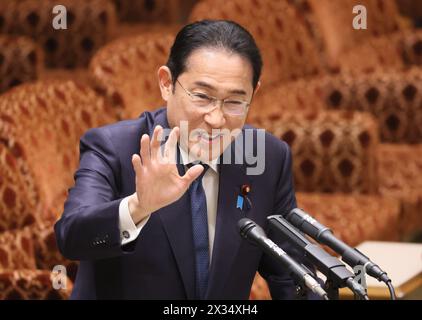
{"x": 317, "y": 231}
{"x": 330, "y": 266}
{"x": 256, "y": 235}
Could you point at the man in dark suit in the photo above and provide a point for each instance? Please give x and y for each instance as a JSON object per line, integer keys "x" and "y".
{"x": 157, "y": 219}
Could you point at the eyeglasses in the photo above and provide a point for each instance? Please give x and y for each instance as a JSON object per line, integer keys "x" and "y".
{"x": 207, "y": 103}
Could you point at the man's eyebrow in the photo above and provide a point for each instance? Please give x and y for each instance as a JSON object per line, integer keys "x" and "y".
{"x": 208, "y": 86}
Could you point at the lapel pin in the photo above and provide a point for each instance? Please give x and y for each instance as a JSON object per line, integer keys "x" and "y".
{"x": 239, "y": 204}
{"x": 245, "y": 189}
{"x": 243, "y": 197}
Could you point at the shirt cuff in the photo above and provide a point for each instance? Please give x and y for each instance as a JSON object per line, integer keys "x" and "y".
{"x": 128, "y": 230}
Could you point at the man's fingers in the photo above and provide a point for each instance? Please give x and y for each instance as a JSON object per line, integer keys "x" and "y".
{"x": 193, "y": 173}
{"x": 156, "y": 142}
{"x": 145, "y": 150}
{"x": 136, "y": 163}
{"x": 170, "y": 148}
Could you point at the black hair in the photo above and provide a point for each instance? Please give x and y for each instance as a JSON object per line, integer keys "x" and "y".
{"x": 214, "y": 34}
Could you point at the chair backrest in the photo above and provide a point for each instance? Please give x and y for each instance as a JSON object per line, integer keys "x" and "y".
{"x": 152, "y": 11}
{"x": 19, "y": 196}
{"x": 376, "y": 54}
{"x": 287, "y": 48}
{"x": 302, "y": 96}
{"x": 89, "y": 25}
{"x": 330, "y": 23}
{"x": 43, "y": 122}
{"x": 394, "y": 99}
{"x": 332, "y": 151}
{"x": 126, "y": 72}
{"x": 21, "y": 60}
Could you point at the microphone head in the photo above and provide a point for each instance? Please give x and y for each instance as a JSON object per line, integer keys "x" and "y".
{"x": 245, "y": 225}
{"x": 250, "y": 230}
{"x": 297, "y": 211}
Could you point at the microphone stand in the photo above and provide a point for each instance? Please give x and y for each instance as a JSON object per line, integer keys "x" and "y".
{"x": 338, "y": 276}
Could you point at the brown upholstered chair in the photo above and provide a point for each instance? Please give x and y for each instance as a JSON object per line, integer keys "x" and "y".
{"x": 388, "y": 43}
{"x": 138, "y": 17}
{"x": 394, "y": 100}
{"x": 126, "y": 72}
{"x": 90, "y": 25}
{"x": 280, "y": 27}
{"x": 28, "y": 250}
{"x": 18, "y": 192}
{"x": 21, "y": 60}
{"x": 290, "y": 51}
{"x": 40, "y": 126}
{"x": 23, "y": 271}
{"x": 338, "y": 154}
{"x": 410, "y": 8}
{"x": 30, "y": 285}
{"x": 43, "y": 122}
{"x": 400, "y": 172}
{"x": 152, "y": 11}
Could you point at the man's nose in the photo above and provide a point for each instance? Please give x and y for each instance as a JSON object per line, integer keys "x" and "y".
{"x": 216, "y": 118}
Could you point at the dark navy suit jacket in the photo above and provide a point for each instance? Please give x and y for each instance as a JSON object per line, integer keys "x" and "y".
{"x": 160, "y": 263}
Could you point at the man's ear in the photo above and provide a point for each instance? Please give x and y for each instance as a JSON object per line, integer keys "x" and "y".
{"x": 165, "y": 82}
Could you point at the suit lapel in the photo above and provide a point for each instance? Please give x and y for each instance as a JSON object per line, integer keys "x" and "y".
{"x": 177, "y": 222}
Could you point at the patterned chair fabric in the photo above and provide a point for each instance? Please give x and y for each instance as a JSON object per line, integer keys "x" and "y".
{"x": 41, "y": 124}
{"x": 152, "y": 11}
{"x": 20, "y": 61}
{"x": 332, "y": 151}
{"x": 410, "y": 8}
{"x": 400, "y": 172}
{"x": 381, "y": 54}
{"x": 382, "y": 17}
{"x": 303, "y": 96}
{"x": 389, "y": 42}
{"x": 271, "y": 23}
{"x": 125, "y": 71}
{"x": 19, "y": 196}
{"x": 30, "y": 254}
{"x": 17, "y": 250}
{"x": 390, "y": 96}
{"x": 46, "y": 252}
{"x": 393, "y": 99}
{"x": 356, "y": 218}
{"x": 30, "y": 285}
{"x": 340, "y": 153}
{"x": 259, "y": 290}
{"x": 89, "y": 25}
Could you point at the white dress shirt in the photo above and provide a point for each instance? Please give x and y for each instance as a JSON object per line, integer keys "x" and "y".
{"x": 210, "y": 182}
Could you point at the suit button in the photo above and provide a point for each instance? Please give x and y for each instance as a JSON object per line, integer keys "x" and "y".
{"x": 125, "y": 234}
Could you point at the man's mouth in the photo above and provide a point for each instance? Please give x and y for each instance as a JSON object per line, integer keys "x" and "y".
{"x": 210, "y": 138}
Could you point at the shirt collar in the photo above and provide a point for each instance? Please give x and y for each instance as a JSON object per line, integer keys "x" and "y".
{"x": 185, "y": 160}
